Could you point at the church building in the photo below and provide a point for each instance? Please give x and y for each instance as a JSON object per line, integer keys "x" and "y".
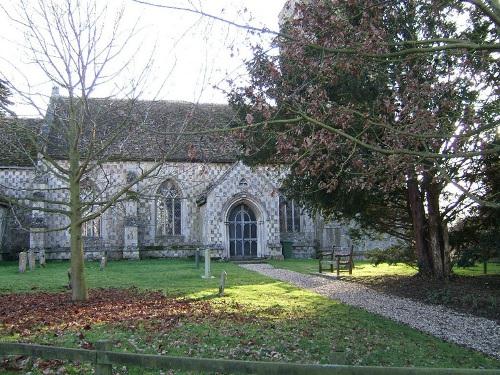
{"x": 201, "y": 195}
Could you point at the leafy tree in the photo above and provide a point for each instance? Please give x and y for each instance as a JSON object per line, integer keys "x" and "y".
{"x": 4, "y": 97}
{"x": 378, "y": 126}
{"x": 477, "y": 236}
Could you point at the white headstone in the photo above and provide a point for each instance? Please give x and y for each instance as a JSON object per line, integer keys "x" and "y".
{"x": 23, "y": 258}
{"x": 104, "y": 261}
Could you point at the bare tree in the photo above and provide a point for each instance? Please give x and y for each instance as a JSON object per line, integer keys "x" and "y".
{"x": 79, "y": 47}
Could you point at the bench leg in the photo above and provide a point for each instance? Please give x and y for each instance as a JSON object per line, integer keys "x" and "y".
{"x": 338, "y": 267}
{"x": 320, "y": 267}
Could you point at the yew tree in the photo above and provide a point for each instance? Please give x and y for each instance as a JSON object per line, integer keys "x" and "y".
{"x": 375, "y": 117}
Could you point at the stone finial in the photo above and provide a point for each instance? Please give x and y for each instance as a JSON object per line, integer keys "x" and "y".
{"x": 55, "y": 91}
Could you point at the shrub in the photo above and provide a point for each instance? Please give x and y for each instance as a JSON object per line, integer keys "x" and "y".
{"x": 392, "y": 255}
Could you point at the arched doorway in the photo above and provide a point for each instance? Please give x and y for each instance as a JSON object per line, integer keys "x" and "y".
{"x": 242, "y": 232}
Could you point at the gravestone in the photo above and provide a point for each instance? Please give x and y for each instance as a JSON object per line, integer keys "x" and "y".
{"x": 197, "y": 257}
{"x": 222, "y": 285}
{"x": 41, "y": 258}
{"x": 104, "y": 262}
{"x": 23, "y": 258}
{"x": 31, "y": 260}
{"x": 207, "y": 274}
{"x": 69, "y": 278}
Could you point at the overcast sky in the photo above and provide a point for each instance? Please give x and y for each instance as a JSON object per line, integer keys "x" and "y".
{"x": 192, "y": 54}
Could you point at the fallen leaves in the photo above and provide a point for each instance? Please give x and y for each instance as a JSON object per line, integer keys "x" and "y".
{"x": 26, "y": 314}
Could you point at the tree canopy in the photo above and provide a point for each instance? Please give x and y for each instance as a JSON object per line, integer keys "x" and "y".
{"x": 380, "y": 123}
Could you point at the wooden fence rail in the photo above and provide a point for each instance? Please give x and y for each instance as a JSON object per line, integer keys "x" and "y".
{"x": 103, "y": 358}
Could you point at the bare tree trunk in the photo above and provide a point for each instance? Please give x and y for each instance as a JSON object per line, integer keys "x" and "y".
{"x": 78, "y": 283}
{"x": 438, "y": 238}
{"x": 416, "y": 207}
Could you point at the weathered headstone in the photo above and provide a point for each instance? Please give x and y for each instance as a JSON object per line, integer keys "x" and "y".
{"x": 222, "y": 285}
{"x": 31, "y": 260}
{"x": 104, "y": 262}
{"x": 197, "y": 257}
{"x": 207, "y": 274}
{"x": 41, "y": 258}
{"x": 69, "y": 278}
{"x": 23, "y": 259}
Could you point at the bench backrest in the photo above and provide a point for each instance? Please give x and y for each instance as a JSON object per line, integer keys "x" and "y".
{"x": 343, "y": 250}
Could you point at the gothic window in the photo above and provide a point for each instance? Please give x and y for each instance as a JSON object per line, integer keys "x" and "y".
{"x": 289, "y": 215}
{"x": 89, "y": 197}
{"x": 168, "y": 209}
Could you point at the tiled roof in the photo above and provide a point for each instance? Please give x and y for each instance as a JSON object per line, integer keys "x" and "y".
{"x": 16, "y": 146}
{"x": 147, "y": 130}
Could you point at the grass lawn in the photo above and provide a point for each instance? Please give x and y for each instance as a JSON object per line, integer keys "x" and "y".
{"x": 469, "y": 290}
{"x": 258, "y": 319}
{"x": 364, "y": 268}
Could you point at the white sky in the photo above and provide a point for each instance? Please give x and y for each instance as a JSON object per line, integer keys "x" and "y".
{"x": 192, "y": 54}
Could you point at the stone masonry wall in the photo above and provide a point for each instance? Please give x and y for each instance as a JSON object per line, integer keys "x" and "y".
{"x": 208, "y": 191}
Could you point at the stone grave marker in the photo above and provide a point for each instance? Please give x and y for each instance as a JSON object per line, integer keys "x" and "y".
{"x": 222, "y": 285}
{"x": 69, "y": 279}
{"x": 41, "y": 258}
{"x": 104, "y": 262}
{"x": 207, "y": 274}
{"x": 31, "y": 260}
{"x": 23, "y": 259}
{"x": 197, "y": 257}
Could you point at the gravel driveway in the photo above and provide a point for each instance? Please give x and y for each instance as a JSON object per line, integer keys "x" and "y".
{"x": 473, "y": 332}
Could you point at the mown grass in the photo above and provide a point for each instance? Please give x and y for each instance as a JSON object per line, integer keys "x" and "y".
{"x": 364, "y": 268}
{"x": 266, "y": 320}
{"x": 174, "y": 277}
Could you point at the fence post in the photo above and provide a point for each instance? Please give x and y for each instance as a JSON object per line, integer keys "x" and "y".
{"x": 101, "y": 368}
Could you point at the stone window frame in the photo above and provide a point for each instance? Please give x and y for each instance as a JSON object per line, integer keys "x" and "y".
{"x": 164, "y": 226}
{"x": 289, "y": 208}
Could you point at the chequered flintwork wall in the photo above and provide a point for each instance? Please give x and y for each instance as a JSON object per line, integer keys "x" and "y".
{"x": 258, "y": 189}
{"x": 209, "y": 191}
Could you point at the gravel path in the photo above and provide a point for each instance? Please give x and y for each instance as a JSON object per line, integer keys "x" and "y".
{"x": 477, "y": 333}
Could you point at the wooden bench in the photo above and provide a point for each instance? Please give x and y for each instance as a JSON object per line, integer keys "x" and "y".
{"x": 339, "y": 257}
{"x": 326, "y": 257}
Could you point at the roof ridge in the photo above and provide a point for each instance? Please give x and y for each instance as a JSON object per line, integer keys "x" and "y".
{"x": 172, "y": 101}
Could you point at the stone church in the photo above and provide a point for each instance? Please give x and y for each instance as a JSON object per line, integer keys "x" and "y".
{"x": 200, "y": 196}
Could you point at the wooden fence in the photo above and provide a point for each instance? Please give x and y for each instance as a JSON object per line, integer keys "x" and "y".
{"x": 103, "y": 358}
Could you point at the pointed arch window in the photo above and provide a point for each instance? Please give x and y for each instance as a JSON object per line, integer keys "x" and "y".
{"x": 168, "y": 209}
{"x": 289, "y": 215}
{"x": 90, "y": 196}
